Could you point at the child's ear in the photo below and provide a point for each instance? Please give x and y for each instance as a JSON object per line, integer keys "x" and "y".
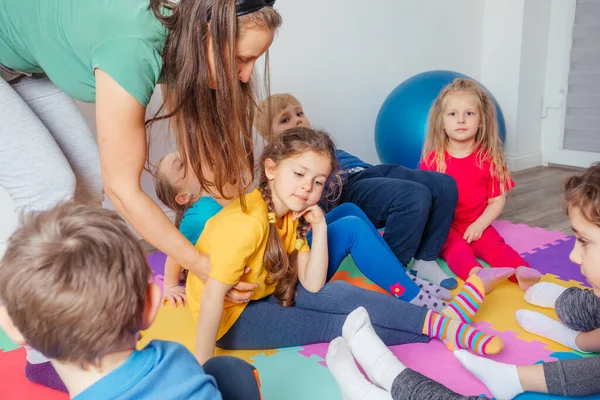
{"x": 153, "y": 299}
{"x": 183, "y": 198}
{"x": 7, "y": 325}
{"x": 270, "y": 167}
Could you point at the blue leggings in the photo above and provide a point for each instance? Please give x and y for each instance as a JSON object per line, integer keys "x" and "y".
{"x": 350, "y": 232}
{"x": 319, "y": 317}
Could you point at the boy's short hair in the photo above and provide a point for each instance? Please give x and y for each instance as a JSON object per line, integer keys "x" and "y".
{"x": 263, "y": 119}
{"x": 583, "y": 191}
{"x": 74, "y": 281}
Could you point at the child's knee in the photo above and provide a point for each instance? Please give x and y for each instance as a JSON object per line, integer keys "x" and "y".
{"x": 447, "y": 190}
{"x": 355, "y": 224}
{"x": 417, "y": 202}
{"x": 350, "y": 209}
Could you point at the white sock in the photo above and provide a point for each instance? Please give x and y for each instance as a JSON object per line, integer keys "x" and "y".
{"x": 378, "y": 362}
{"x": 542, "y": 325}
{"x": 431, "y": 271}
{"x": 351, "y": 382}
{"x": 502, "y": 380}
{"x": 544, "y": 294}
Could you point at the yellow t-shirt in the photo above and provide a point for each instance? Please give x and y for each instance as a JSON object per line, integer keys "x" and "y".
{"x": 235, "y": 239}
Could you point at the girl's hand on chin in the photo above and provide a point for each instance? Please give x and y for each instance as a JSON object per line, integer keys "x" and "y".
{"x": 312, "y": 214}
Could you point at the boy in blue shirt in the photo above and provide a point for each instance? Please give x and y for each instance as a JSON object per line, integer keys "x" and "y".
{"x": 74, "y": 285}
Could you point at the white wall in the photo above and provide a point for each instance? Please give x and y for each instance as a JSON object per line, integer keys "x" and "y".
{"x": 515, "y": 43}
{"x": 342, "y": 58}
{"x": 536, "y": 24}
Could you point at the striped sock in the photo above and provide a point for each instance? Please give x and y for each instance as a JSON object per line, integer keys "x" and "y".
{"x": 466, "y": 303}
{"x": 457, "y": 335}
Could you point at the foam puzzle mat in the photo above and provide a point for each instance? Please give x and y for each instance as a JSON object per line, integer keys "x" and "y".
{"x": 300, "y": 373}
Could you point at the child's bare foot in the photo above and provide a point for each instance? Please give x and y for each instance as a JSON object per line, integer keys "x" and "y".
{"x": 492, "y": 276}
{"x": 527, "y": 277}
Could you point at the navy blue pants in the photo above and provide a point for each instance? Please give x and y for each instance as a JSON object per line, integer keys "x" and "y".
{"x": 236, "y": 379}
{"x": 415, "y": 207}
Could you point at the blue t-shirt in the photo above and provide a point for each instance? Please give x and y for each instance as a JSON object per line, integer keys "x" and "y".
{"x": 162, "y": 370}
{"x": 194, "y": 219}
{"x": 348, "y": 161}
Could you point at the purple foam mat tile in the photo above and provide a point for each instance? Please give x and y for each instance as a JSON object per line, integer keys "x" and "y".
{"x": 524, "y": 238}
{"x": 554, "y": 259}
{"x": 157, "y": 262}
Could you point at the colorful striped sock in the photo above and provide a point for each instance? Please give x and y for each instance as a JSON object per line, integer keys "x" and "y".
{"x": 466, "y": 303}
{"x": 457, "y": 335}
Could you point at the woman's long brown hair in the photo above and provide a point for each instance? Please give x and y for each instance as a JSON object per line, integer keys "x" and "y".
{"x": 213, "y": 128}
{"x": 281, "y": 267}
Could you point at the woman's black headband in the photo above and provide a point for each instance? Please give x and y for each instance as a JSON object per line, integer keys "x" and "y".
{"x": 243, "y": 7}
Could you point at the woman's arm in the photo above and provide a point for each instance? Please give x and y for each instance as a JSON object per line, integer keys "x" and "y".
{"x": 209, "y": 320}
{"x": 122, "y": 144}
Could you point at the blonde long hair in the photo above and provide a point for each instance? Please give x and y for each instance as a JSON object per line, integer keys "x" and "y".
{"x": 487, "y": 139}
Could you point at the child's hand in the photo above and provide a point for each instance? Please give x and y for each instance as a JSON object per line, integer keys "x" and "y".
{"x": 313, "y": 215}
{"x": 174, "y": 295}
{"x": 474, "y": 232}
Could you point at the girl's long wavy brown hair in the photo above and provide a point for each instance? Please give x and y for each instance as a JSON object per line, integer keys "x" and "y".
{"x": 213, "y": 128}
{"x": 487, "y": 140}
{"x": 283, "y": 268}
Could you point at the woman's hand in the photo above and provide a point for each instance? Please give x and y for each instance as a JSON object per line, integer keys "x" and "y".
{"x": 239, "y": 293}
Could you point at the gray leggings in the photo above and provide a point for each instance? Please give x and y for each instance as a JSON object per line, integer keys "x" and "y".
{"x": 576, "y": 377}
{"x": 411, "y": 385}
{"x": 579, "y": 309}
{"x": 47, "y": 152}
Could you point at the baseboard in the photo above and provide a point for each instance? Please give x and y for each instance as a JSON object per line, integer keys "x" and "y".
{"x": 520, "y": 162}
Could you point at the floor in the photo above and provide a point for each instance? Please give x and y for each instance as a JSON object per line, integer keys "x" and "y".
{"x": 536, "y": 199}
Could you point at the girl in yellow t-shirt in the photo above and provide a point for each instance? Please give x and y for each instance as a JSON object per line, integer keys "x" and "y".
{"x": 262, "y": 237}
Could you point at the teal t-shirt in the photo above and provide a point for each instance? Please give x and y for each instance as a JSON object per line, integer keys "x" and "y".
{"x": 69, "y": 39}
{"x": 194, "y": 219}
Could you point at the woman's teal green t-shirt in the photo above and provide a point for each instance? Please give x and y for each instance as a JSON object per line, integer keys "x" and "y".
{"x": 69, "y": 39}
